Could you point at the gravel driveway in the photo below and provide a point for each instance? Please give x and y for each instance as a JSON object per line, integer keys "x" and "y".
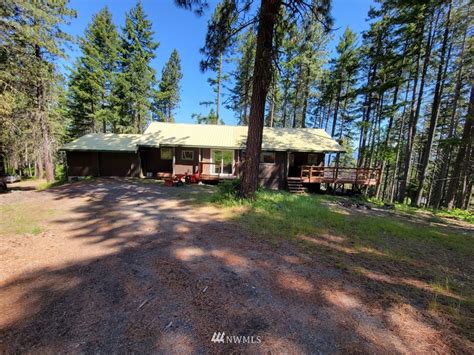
{"x": 124, "y": 266}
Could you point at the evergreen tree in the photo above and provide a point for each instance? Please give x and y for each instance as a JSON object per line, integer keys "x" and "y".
{"x": 167, "y": 97}
{"x": 211, "y": 118}
{"x": 241, "y": 92}
{"x": 232, "y": 20}
{"x": 344, "y": 77}
{"x": 90, "y": 90}
{"x": 134, "y": 87}
{"x": 31, "y": 40}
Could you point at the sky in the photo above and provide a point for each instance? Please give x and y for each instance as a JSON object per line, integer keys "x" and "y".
{"x": 176, "y": 28}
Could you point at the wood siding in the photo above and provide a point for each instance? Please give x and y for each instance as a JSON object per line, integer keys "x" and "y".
{"x": 103, "y": 164}
{"x": 273, "y": 176}
{"x": 186, "y": 166}
{"x": 119, "y": 164}
{"x": 82, "y": 163}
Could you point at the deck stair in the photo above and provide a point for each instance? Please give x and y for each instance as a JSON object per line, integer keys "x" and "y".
{"x": 295, "y": 185}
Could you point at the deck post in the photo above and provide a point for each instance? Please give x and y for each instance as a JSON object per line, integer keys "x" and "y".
{"x": 337, "y": 164}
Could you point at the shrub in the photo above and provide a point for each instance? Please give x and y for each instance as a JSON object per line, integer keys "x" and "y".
{"x": 228, "y": 189}
{"x": 60, "y": 172}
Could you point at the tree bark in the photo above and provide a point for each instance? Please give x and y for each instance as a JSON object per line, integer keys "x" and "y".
{"x": 438, "y": 92}
{"x": 271, "y": 112}
{"x": 415, "y": 112}
{"x": 219, "y": 78}
{"x": 41, "y": 119}
{"x": 446, "y": 152}
{"x": 462, "y": 158}
{"x": 269, "y": 10}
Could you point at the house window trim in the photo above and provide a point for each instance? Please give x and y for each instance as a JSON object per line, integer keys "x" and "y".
{"x": 187, "y": 151}
{"x": 167, "y": 148}
{"x": 268, "y": 152}
{"x": 222, "y": 165}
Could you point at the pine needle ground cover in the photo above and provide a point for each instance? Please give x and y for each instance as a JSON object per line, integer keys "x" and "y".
{"x": 414, "y": 258}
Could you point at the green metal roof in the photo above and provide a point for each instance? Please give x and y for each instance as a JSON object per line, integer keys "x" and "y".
{"x": 207, "y": 136}
{"x": 221, "y": 136}
{"x": 105, "y": 143}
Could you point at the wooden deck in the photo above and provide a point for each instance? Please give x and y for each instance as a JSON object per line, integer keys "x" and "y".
{"x": 339, "y": 175}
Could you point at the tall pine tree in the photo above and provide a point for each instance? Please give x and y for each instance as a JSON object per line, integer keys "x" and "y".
{"x": 91, "y": 105}
{"x": 134, "y": 88}
{"x": 31, "y": 39}
{"x": 167, "y": 98}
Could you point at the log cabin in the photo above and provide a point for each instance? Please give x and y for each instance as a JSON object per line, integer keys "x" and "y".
{"x": 291, "y": 158}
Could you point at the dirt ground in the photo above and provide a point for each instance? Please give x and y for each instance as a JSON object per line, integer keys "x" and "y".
{"x": 124, "y": 266}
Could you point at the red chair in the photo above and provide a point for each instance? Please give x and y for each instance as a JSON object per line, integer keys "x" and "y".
{"x": 196, "y": 177}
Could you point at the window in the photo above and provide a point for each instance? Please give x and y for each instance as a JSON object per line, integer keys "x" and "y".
{"x": 222, "y": 162}
{"x": 267, "y": 157}
{"x": 312, "y": 159}
{"x": 187, "y": 155}
{"x": 166, "y": 153}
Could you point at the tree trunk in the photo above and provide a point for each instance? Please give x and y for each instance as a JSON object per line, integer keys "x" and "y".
{"x": 285, "y": 99}
{"x": 41, "y": 119}
{"x": 397, "y": 164}
{"x": 446, "y": 152}
{"x": 365, "y": 118}
{"x": 305, "y": 99}
{"x": 386, "y": 145}
{"x": 462, "y": 158}
{"x": 269, "y": 10}
{"x": 336, "y": 110}
{"x": 438, "y": 92}
{"x": 296, "y": 98}
{"x": 414, "y": 114}
{"x": 219, "y": 78}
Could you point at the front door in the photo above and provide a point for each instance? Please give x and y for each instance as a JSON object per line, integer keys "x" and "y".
{"x": 223, "y": 161}
{"x": 297, "y": 159}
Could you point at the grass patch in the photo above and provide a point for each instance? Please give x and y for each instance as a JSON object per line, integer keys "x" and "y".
{"x": 458, "y": 214}
{"x": 23, "y": 219}
{"x": 47, "y": 185}
{"x": 287, "y": 215}
{"x": 404, "y": 250}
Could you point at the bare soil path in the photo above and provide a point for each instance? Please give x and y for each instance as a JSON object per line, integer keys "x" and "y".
{"x": 124, "y": 266}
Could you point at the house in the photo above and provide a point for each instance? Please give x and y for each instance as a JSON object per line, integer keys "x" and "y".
{"x": 215, "y": 151}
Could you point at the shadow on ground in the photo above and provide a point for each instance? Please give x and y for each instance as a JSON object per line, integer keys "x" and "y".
{"x": 171, "y": 273}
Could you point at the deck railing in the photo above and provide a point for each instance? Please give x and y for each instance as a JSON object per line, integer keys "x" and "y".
{"x": 343, "y": 175}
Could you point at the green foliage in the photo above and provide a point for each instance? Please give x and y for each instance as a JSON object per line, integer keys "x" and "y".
{"x": 344, "y": 69}
{"x": 227, "y": 191}
{"x": 211, "y": 118}
{"x": 133, "y": 91}
{"x": 167, "y": 98}
{"x": 283, "y": 215}
{"x": 60, "y": 172}
{"x": 31, "y": 41}
{"x": 90, "y": 102}
{"x": 241, "y": 91}
{"x": 457, "y": 213}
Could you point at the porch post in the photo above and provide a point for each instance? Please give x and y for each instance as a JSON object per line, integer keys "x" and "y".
{"x": 287, "y": 163}
{"x": 174, "y": 160}
{"x": 199, "y": 160}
